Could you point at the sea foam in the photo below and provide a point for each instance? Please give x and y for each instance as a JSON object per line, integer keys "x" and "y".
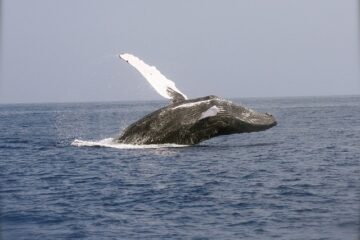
{"x": 109, "y": 142}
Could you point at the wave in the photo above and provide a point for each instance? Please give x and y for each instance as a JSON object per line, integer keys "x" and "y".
{"x": 109, "y": 142}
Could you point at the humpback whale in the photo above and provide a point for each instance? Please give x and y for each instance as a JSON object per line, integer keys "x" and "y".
{"x": 188, "y": 121}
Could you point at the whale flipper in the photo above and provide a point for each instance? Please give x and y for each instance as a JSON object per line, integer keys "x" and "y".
{"x": 176, "y": 97}
{"x": 164, "y": 86}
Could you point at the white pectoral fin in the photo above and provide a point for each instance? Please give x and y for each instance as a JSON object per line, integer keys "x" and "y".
{"x": 165, "y": 87}
{"x": 211, "y": 112}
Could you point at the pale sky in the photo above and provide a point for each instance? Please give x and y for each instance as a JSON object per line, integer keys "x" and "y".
{"x": 64, "y": 51}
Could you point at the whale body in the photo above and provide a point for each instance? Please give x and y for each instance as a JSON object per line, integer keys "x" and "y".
{"x": 192, "y": 121}
{"x": 189, "y": 121}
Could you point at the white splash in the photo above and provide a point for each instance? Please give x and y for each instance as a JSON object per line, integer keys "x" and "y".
{"x": 152, "y": 75}
{"x": 109, "y": 142}
{"x": 211, "y": 112}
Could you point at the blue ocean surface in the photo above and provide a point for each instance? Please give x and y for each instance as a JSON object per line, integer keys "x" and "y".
{"x": 298, "y": 180}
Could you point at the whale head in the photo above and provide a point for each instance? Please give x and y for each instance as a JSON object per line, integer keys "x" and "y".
{"x": 222, "y": 117}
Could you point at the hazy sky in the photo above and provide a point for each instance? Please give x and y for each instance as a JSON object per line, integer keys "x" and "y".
{"x": 64, "y": 51}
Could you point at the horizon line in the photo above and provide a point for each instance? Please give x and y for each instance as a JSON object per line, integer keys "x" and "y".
{"x": 164, "y": 100}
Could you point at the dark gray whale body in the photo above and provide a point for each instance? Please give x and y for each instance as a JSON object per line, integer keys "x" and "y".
{"x": 192, "y": 121}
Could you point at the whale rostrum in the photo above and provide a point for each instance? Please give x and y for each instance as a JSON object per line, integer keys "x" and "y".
{"x": 189, "y": 121}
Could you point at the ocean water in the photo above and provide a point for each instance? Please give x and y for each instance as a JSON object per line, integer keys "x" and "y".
{"x": 61, "y": 178}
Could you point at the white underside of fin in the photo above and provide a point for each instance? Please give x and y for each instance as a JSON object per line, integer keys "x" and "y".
{"x": 152, "y": 75}
{"x": 211, "y": 112}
